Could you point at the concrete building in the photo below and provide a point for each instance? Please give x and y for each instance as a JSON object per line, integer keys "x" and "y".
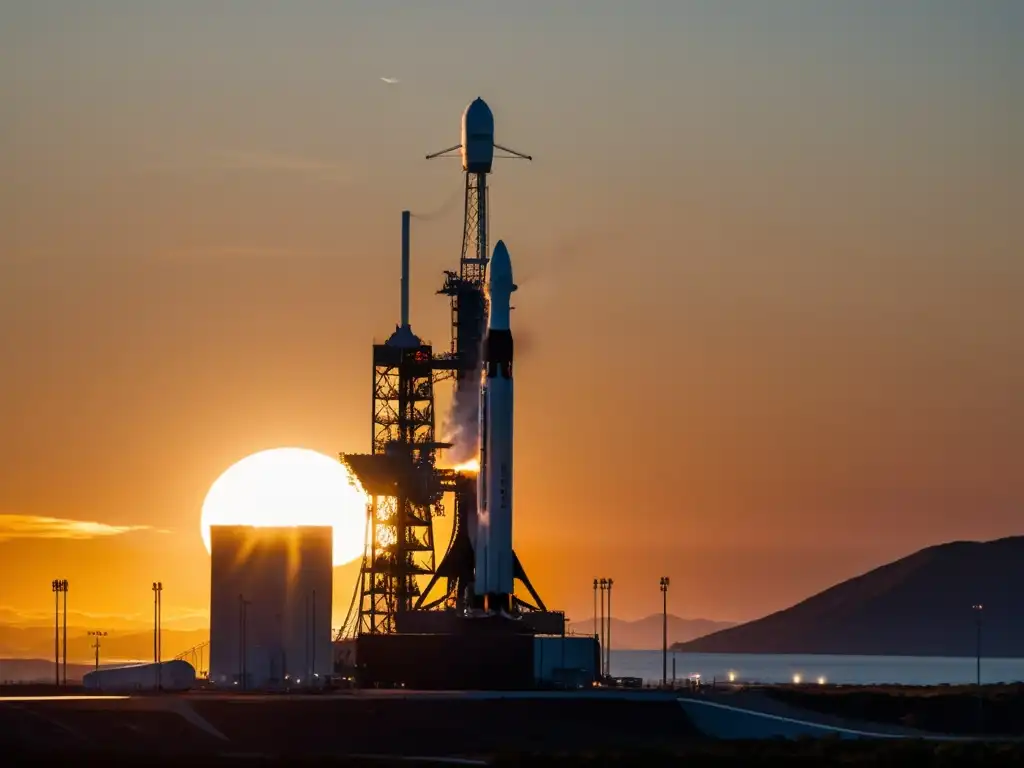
{"x": 270, "y": 605}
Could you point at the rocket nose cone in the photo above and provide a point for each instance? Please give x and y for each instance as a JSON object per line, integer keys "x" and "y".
{"x": 501, "y": 263}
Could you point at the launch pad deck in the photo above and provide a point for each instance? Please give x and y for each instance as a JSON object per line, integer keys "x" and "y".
{"x": 483, "y": 656}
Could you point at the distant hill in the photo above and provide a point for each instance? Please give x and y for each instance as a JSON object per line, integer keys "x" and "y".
{"x": 38, "y": 671}
{"x": 645, "y": 634}
{"x": 917, "y": 606}
{"x": 33, "y": 642}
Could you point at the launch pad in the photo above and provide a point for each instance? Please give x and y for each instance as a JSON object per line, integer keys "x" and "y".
{"x": 414, "y": 622}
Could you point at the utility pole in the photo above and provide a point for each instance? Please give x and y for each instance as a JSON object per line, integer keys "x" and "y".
{"x": 595, "y": 608}
{"x": 603, "y": 585}
{"x": 312, "y": 636}
{"x": 158, "y": 588}
{"x": 664, "y": 631}
{"x": 96, "y": 645}
{"x": 979, "y": 610}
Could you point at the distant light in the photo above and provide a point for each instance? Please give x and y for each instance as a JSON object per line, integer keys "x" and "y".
{"x": 732, "y": 677}
{"x": 822, "y": 681}
{"x": 797, "y": 679}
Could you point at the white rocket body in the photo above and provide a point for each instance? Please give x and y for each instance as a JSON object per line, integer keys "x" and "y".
{"x": 495, "y": 571}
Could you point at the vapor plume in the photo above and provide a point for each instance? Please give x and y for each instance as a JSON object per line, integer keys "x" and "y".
{"x": 446, "y": 207}
{"x": 461, "y": 425}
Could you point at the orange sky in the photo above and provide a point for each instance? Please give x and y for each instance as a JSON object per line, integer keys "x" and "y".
{"x": 770, "y": 325}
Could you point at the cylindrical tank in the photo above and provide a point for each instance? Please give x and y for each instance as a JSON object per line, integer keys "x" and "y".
{"x": 477, "y": 138}
{"x": 176, "y": 675}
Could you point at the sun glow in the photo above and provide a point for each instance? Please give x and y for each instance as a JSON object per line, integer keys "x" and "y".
{"x": 471, "y": 466}
{"x": 289, "y": 487}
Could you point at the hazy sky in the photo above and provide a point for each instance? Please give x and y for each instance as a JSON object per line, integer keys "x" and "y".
{"x": 770, "y": 322}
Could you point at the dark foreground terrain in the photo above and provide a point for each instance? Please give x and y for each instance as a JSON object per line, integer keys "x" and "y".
{"x": 385, "y": 728}
{"x": 960, "y": 710}
{"x": 211, "y": 724}
{"x": 824, "y": 753}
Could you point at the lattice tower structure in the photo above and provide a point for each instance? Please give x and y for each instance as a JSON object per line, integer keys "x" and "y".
{"x": 400, "y": 546}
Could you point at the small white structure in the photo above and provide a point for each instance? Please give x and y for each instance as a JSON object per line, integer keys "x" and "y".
{"x": 177, "y": 675}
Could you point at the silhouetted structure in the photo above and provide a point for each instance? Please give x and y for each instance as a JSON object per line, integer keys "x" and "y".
{"x": 916, "y": 606}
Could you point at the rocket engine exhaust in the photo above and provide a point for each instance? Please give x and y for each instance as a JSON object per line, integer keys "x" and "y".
{"x": 461, "y": 425}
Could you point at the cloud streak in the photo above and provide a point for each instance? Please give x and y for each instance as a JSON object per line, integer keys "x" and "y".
{"x": 41, "y": 527}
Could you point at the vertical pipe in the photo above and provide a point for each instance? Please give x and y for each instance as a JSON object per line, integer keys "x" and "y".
{"x": 608, "y": 633}
{"x": 159, "y": 636}
{"x": 245, "y": 645}
{"x": 981, "y": 697}
{"x": 65, "y": 633}
{"x": 405, "y": 268}
{"x": 241, "y": 650}
{"x": 56, "y": 634}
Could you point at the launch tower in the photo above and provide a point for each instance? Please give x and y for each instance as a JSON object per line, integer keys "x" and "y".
{"x": 466, "y": 288}
{"x": 398, "y": 475}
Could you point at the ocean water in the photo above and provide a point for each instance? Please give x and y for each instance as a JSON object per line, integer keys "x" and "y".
{"x": 845, "y": 670}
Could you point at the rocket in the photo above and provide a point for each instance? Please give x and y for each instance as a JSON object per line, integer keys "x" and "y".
{"x": 495, "y": 571}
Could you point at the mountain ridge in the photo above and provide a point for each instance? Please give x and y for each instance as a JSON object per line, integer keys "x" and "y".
{"x": 918, "y": 605}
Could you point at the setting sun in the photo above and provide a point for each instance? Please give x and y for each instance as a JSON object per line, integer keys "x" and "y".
{"x": 290, "y": 486}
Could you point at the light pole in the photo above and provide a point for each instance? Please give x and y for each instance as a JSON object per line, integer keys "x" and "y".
{"x": 595, "y": 608}
{"x": 64, "y": 633}
{"x": 58, "y": 586}
{"x": 96, "y": 645}
{"x": 158, "y": 588}
{"x": 608, "y": 634}
{"x": 603, "y": 586}
{"x": 664, "y": 630}
{"x": 979, "y": 610}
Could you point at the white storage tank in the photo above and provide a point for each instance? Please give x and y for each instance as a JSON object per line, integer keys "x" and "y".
{"x": 177, "y": 675}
